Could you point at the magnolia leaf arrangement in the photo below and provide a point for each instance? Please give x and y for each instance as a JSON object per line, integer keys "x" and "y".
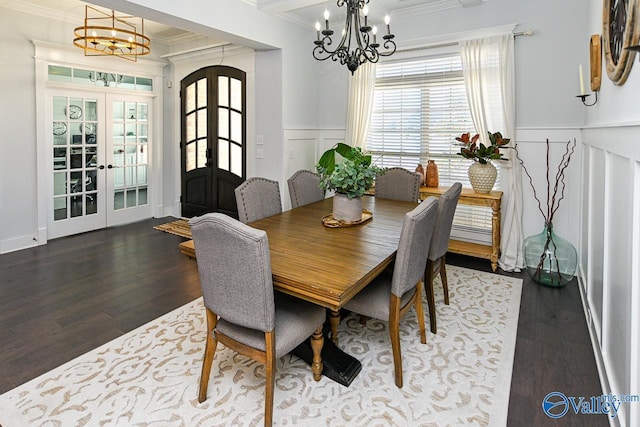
{"x": 353, "y": 176}
{"x": 478, "y": 152}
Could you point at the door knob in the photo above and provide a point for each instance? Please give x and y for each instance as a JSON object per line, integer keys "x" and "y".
{"x": 101, "y": 167}
{"x": 109, "y": 166}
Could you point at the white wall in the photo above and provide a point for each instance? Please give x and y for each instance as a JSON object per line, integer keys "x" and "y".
{"x": 610, "y": 230}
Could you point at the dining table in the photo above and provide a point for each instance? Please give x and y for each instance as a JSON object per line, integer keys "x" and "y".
{"x": 328, "y": 265}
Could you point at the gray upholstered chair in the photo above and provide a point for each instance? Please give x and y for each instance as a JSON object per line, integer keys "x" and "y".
{"x": 398, "y": 184}
{"x": 304, "y": 188}
{"x": 258, "y": 198}
{"x": 438, "y": 249}
{"x": 389, "y": 296}
{"x": 242, "y": 311}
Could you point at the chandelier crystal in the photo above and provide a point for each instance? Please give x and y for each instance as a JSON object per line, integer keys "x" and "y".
{"x": 111, "y": 34}
{"x": 358, "y": 43}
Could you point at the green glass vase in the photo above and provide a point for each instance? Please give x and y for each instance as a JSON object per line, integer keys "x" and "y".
{"x": 550, "y": 259}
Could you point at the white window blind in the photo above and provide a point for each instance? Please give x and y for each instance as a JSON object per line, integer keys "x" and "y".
{"x": 420, "y": 106}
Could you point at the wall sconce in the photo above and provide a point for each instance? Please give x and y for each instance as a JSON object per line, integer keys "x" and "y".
{"x": 584, "y": 99}
{"x": 595, "y": 71}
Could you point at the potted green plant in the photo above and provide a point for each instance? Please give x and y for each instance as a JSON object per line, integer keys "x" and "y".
{"x": 349, "y": 178}
{"x": 482, "y": 173}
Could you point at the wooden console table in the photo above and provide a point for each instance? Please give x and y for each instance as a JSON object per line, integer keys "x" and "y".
{"x": 470, "y": 197}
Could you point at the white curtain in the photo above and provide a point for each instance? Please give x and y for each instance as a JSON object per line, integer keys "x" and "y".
{"x": 488, "y": 66}
{"x": 360, "y": 103}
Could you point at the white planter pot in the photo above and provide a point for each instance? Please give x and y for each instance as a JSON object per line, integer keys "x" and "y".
{"x": 482, "y": 177}
{"x": 346, "y": 209}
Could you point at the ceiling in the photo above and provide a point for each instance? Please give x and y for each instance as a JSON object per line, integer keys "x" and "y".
{"x": 302, "y": 12}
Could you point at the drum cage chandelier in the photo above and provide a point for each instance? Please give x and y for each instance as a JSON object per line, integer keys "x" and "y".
{"x": 111, "y": 34}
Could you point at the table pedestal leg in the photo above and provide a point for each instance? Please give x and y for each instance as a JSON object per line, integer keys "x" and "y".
{"x": 334, "y": 320}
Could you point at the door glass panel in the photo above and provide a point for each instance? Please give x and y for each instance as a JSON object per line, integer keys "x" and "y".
{"x": 118, "y": 155}
{"x": 142, "y": 154}
{"x": 59, "y": 208}
{"x": 143, "y": 130}
{"x": 142, "y": 196}
{"x": 236, "y": 94}
{"x": 236, "y": 159}
{"x": 75, "y": 183}
{"x": 223, "y": 154}
{"x": 131, "y": 155}
{"x": 91, "y": 204}
{"x": 190, "y": 101}
{"x": 236, "y": 127}
{"x": 202, "y": 153}
{"x": 59, "y": 183}
{"x": 74, "y": 111}
{"x": 131, "y": 111}
{"x": 223, "y": 123}
{"x": 59, "y": 158}
{"x": 76, "y": 158}
{"x": 91, "y": 110}
{"x": 202, "y": 123}
{"x": 191, "y": 156}
{"x": 118, "y": 111}
{"x": 202, "y": 93}
{"x": 118, "y": 200}
{"x": 76, "y": 206}
{"x": 142, "y": 175}
{"x": 143, "y": 112}
{"x": 118, "y": 178}
{"x": 59, "y": 108}
{"x": 191, "y": 127}
{"x": 131, "y": 198}
{"x": 223, "y": 91}
{"x": 130, "y": 129}
{"x": 128, "y": 176}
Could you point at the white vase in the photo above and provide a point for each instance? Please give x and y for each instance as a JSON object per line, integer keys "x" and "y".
{"x": 346, "y": 209}
{"x": 482, "y": 176}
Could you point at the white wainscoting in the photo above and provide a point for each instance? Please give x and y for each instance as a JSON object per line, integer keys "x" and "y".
{"x": 609, "y": 258}
{"x": 302, "y": 149}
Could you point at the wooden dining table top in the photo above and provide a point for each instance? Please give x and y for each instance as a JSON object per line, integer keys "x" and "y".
{"x": 328, "y": 266}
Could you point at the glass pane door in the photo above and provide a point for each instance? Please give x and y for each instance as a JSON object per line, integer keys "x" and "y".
{"x": 75, "y": 204}
{"x": 128, "y": 166}
{"x": 100, "y": 162}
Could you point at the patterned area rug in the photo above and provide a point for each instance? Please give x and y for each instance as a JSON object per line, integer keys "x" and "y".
{"x": 149, "y": 377}
{"x": 180, "y": 227}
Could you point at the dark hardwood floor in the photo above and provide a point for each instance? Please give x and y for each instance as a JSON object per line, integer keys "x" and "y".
{"x": 65, "y": 298}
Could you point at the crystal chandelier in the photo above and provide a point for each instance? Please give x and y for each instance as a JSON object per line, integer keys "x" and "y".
{"x": 111, "y": 34}
{"x": 358, "y": 43}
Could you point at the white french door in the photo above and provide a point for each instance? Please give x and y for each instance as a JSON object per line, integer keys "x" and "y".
{"x": 100, "y": 161}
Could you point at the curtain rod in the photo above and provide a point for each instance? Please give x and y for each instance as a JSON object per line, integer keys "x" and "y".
{"x": 433, "y": 46}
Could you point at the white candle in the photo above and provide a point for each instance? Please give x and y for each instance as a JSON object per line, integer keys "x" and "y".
{"x": 581, "y": 81}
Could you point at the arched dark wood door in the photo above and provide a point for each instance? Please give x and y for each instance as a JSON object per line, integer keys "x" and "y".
{"x": 213, "y": 143}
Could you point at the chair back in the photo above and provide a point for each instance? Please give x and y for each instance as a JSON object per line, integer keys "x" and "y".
{"x": 446, "y": 209}
{"x": 304, "y": 188}
{"x": 235, "y": 270}
{"x": 413, "y": 247}
{"x": 258, "y": 198}
{"x": 398, "y": 184}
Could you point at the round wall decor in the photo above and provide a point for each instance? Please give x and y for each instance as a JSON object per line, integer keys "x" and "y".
{"x": 619, "y": 31}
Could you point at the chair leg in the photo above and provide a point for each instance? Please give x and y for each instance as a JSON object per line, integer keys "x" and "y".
{"x": 270, "y": 345}
{"x": 394, "y": 334}
{"x": 443, "y": 278}
{"x": 317, "y": 341}
{"x": 420, "y": 313}
{"x": 209, "y": 353}
{"x": 431, "y": 302}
